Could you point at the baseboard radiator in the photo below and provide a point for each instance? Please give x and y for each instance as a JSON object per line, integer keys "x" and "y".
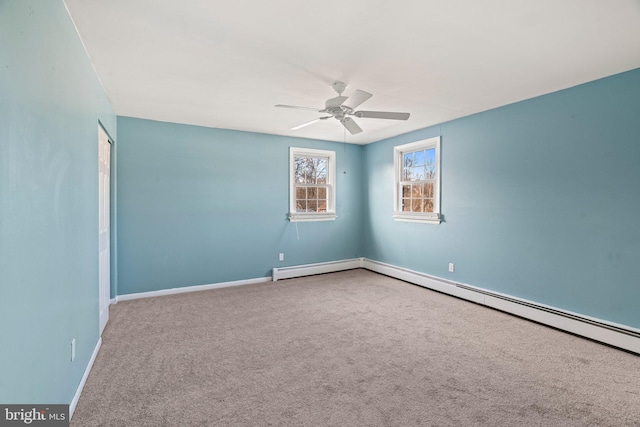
{"x": 617, "y": 335}
{"x": 318, "y": 268}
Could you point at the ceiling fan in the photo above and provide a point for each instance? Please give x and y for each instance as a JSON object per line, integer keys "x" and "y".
{"x": 341, "y": 107}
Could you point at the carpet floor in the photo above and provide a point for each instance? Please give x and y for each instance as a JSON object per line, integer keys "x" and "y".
{"x": 353, "y": 348}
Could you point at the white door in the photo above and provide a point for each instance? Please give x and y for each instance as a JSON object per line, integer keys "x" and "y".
{"x": 104, "y": 157}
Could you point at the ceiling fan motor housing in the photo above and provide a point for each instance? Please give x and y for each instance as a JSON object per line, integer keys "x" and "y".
{"x": 339, "y": 87}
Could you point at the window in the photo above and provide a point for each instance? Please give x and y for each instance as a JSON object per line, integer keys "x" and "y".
{"x": 417, "y": 181}
{"x": 312, "y": 193}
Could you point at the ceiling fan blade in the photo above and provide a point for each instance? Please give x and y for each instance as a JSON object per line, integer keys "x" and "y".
{"x": 311, "y": 122}
{"x": 305, "y": 124}
{"x": 382, "y": 115}
{"x": 356, "y": 98}
{"x": 351, "y": 125}
{"x": 297, "y": 108}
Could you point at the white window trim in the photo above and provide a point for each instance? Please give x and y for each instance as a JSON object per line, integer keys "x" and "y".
{"x": 398, "y": 214}
{"x": 330, "y": 214}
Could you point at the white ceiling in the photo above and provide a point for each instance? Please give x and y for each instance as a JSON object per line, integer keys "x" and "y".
{"x": 225, "y": 64}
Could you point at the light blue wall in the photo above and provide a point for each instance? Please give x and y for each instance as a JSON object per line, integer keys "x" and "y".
{"x": 541, "y": 200}
{"x": 200, "y": 205}
{"x": 50, "y": 105}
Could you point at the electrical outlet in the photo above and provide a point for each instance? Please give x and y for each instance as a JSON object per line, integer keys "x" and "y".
{"x": 452, "y": 267}
{"x": 281, "y": 256}
{"x": 73, "y": 349}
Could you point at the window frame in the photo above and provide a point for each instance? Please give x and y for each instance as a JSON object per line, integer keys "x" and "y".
{"x": 398, "y": 155}
{"x": 330, "y": 185}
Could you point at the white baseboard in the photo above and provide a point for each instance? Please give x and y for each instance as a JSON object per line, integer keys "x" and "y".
{"x": 614, "y": 334}
{"x": 196, "y": 288}
{"x": 319, "y": 268}
{"x": 76, "y": 396}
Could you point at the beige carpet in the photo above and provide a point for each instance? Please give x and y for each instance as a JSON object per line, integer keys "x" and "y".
{"x": 347, "y": 349}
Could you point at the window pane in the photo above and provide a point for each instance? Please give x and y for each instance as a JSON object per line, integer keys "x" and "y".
{"x": 320, "y": 170}
{"x": 430, "y": 156}
{"x": 416, "y": 205}
{"x": 428, "y": 205}
{"x": 418, "y": 158}
{"x": 430, "y": 163}
{"x": 303, "y": 169}
{"x": 322, "y": 205}
{"x": 322, "y": 193}
{"x": 416, "y": 191}
{"x": 407, "y": 160}
{"x": 301, "y": 193}
{"x": 301, "y": 205}
{"x": 406, "y": 205}
{"x": 299, "y": 170}
{"x": 312, "y": 193}
{"x": 312, "y": 205}
{"x": 428, "y": 190}
{"x": 406, "y": 174}
{"x": 406, "y": 191}
{"x": 430, "y": 171}
{"x": 417, "y": 173}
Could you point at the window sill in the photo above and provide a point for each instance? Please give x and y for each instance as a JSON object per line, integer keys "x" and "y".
{"x": 430, "y": 219}
{"x": 308, "y": 217}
